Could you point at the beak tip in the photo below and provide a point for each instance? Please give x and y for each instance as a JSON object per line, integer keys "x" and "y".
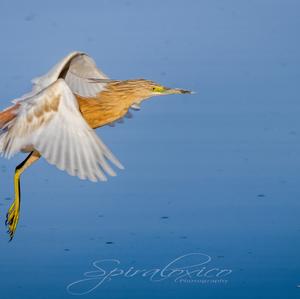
{"x": 187, "y": 91}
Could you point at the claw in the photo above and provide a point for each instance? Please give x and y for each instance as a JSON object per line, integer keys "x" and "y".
{"x": 12, "y": 219}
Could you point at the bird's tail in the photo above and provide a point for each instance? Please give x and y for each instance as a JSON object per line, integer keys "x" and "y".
{"x": 7, "y": 115}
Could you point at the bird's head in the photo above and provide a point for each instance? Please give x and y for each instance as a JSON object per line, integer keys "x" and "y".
{"x": 137, "y": 90}
{"x": 148, "y": 88}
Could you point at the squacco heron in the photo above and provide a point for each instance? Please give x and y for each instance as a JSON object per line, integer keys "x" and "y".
{"x": 56, "y": 121}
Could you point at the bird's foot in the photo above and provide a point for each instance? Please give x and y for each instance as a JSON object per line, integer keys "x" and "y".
{"x": 12, "y": 218}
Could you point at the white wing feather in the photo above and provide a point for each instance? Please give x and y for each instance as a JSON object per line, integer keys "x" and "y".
{"x": 51, "y": 123}
{"x": 52, "y": 75}
{"x": 83, "y": 76}
{"x": 79, "y": 71}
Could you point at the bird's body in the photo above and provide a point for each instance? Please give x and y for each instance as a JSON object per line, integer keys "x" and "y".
{"x": 102, "y": 109}
{"x": 56, "y": 120}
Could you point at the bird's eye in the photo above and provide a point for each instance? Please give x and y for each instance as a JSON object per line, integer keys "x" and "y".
{"x": 158, "y": 89}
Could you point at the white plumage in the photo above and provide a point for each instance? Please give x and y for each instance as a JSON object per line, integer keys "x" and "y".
{"x": 82, "y": 75}
{"x": 79, "y": 71}
{"x": 48, "y": 120}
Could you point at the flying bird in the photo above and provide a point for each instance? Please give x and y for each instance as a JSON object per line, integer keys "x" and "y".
{"x": 56, "y": 120}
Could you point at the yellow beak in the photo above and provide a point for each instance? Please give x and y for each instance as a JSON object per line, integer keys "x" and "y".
{"x": 177, "y": 91}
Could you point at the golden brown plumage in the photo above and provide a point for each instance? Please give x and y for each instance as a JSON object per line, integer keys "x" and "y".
{"x": 109, "y": 105}
{"x": 113, "y": 103}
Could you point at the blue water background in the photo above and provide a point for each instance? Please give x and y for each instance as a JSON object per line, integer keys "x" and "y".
{"x": 216, "y": 172}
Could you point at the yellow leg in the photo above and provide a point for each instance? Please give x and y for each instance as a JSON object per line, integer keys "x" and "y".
{"x": 12, "y": 216}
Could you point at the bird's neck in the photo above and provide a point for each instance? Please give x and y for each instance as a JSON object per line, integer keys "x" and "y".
{"x": 109, "y": 105}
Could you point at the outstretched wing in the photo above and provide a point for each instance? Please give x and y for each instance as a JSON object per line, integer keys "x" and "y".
{"x": 79, "y": 71}
{"x": 51, "y": 123}
{"x": 83, "y": 76}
